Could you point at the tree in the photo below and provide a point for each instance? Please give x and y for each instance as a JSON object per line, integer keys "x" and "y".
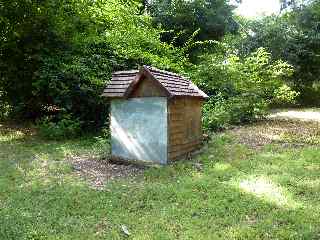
{"x": 294, "y": 37}
{"x": 292, "y": 4}
{"x": 181, "y": 19}
{"x": 56, "y": 56}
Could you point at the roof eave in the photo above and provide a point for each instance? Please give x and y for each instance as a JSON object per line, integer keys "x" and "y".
{"x": 132, "y": 86}
{"x": 111, "y": 97}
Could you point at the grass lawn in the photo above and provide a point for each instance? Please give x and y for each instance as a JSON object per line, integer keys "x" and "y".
{"x": 233, "y": 190}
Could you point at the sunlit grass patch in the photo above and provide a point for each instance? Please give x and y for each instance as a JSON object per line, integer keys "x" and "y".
{"x": 264, "y": 188}
{"x": 221, "y": 166}
{"x": 14, "y": 135}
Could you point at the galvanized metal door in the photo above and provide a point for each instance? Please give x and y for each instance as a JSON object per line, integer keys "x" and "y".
{"x": 139, "y": 129}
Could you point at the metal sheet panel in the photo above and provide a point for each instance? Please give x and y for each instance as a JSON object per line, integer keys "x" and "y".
{"x": 139, "y": 129}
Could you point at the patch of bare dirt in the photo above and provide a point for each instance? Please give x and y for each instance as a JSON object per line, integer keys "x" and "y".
{"x": 287, "y": 133}
{"x": 99, "y": 172}
{"x": 304, "y": 114}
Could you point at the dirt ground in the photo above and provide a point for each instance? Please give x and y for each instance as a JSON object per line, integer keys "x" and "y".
{"x": 98, "y": 172}
{"x": 286, "y": 127}
{"x": 304, "y": 115}
{"x": 287, "y": 133}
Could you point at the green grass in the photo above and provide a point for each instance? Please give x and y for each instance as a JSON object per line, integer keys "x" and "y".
{"x": 273, "y": 193}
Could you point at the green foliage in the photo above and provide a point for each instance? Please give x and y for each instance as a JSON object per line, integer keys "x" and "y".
{"x": 22, "y": 34}
{"x": 241, "y": 88}
{"x": 216, "y": 114}
{"x": 4, "y": 109}
{"x": 284, "y": 95}
{"x": 181, "y": 19}
{"x": 65, "y": 52}
{"x": 57, "y": 56}
{"x": 64, "y": 128}
{"x": 293, "y": 37}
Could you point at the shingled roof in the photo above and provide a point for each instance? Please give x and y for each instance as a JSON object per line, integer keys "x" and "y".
{"x": 123, "y": 83}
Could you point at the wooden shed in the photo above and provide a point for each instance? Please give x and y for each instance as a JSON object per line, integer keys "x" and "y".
{"x": 155, "y": 115}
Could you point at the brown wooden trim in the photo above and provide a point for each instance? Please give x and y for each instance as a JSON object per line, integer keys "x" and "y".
{"x": 133, "y": 85}
{"x": 147, "y": 71}
{"x": 144, "y": 72}
{"x": 168, "y": 130}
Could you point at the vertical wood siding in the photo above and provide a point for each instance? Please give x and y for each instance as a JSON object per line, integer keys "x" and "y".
{"x": 184, "y": 124}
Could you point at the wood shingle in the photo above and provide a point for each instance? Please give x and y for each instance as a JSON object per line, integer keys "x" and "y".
{"x": 123, "y": 83}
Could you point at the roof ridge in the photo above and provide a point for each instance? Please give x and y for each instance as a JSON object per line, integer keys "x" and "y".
{"x": 153, "y": 69}
{"x": 168, "y": 73}
{"x": 125, "y": 72}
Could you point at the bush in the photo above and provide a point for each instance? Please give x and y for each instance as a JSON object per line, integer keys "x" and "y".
{"x": 220, "y": 114}
{"x": 66, "y": 127}
{"x": 284, "y": 95}
{"x": 215, "y": 114}
{"x": 5, "y": 110}
{"x": 241, "y": 89}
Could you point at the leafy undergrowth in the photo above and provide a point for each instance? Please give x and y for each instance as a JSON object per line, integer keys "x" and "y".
{"x": 231, "y": 191}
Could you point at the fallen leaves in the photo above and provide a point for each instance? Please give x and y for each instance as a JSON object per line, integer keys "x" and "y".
{"x": 283, "y": 132}
{"x": 99, "y": 172}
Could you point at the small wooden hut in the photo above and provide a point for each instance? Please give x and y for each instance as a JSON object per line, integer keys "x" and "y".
{"x": 155, "y": 115}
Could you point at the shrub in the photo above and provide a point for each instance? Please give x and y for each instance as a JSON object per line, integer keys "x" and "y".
{"x": 284, "y": 95}
{"x": 66, "y": 127}
{"x": 220, "y": 114}
{"x": 241, "y": 89}
{"x": 5, "y": 110}
{"x": 216, "y": 115}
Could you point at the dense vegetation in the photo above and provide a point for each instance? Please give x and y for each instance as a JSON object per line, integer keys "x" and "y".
{"x": 293, "y": 37}
{"x": 56, "y": 56}
{"x": 186, "y": 23}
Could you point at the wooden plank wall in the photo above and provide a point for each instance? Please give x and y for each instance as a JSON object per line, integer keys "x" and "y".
{"x": 185, "y": 130}
{"x": 148, "y": 88}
